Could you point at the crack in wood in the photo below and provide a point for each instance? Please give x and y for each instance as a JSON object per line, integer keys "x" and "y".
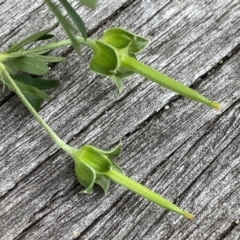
{"x": 2, "y": 197}
{"x": 109, "y": 209}
{"x": 218, "y": 66}
{"x": 7, "y": 98}
{"x": 24, "y": 231}
{"x": 175, "y": 98}
{"x": 224, "y": 234}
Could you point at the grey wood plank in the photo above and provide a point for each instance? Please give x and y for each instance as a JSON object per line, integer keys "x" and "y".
{"x": 200, "y": 171}
{"x": 187, "y": 145}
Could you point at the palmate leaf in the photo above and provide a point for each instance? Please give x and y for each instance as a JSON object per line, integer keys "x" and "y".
{"x": 42, "y": 35}
{"x": 29, "y": 87}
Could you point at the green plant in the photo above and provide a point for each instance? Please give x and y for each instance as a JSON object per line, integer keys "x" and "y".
{"x": 114, "y": 55}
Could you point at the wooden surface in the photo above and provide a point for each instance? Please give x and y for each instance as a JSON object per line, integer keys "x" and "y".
{"x": 183, "y": 150}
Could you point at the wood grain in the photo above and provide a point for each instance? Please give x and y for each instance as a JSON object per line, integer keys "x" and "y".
{"x": 181, "y": 149}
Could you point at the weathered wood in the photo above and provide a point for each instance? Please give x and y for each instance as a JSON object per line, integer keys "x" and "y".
{"x": 185, "y": 151}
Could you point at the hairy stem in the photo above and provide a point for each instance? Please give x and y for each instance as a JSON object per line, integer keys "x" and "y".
{"x": 52, "y": 134}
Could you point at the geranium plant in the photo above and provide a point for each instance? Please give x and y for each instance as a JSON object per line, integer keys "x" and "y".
{"x": 115, "y": 56}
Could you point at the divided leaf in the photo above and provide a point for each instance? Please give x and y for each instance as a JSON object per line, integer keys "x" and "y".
{"x": 31, "y": 88}
{"x": 34, "y": 101}
{"x": 46, "y": 37}
{"x": 67, "y": 26}
{"x": 28, "y": 64}
{"x": 50, "y": 59}
{"x": 32, "y": 94}
{"x": 41, "y": 35}
{"x": 31, "y": 91}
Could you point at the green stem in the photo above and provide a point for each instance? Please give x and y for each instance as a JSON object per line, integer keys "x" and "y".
{"x": 145, "y": 192}
{"x": 52, "y": 46}
{"x": 52, "y": 134}
{"x": 166, "y": 81}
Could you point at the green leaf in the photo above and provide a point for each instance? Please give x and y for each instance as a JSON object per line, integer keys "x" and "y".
{"x": 105, "y": 59}
{"x": 36, "y": 36}
{"x": 94, "y": 159}
{"x": 39, "y": 83}
{"x": 45, "y": 37}
{"x": 34, "y": 101}
{"x": 89, "y": 3}
{"x": 85, "y": 176}
{"x": 50, "y": 59}
{"x": 28, "y": 64}
{"x": 32, "y": 91}
{"x": 75, "y": 17}
{"x": 103, "y": 182}
{"x": 67, "y": 26}
{"x": 34, "y": 96}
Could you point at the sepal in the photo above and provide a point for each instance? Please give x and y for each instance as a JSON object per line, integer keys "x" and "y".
{"x": 103, "y": 182}
{"x": 112, "y": 47}
{"x": 105, "y": 59}
{"x": 95, "y": 159}
{"x": 85, "y": 175}
{"x": 121, "y": 38}
{"x": 91, "y": 165}
{"x": 113, "y": 153}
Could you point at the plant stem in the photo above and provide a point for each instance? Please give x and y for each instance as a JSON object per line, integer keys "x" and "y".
{"x": 166, "y": 81}
{"x": 145, "y": 192}
{"x": 52, "y": 46}
{"x": 52, "y": 134}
